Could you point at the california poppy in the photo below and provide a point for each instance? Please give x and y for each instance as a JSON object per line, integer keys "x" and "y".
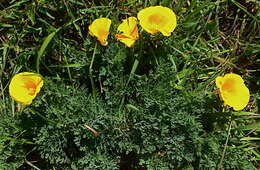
{"x": 233, "y": 91}
{"x": 128, "y": 31}
{"x": 25, "y": 86}
{"x": 100, "y": 29}
{"x": 157, "y": 19}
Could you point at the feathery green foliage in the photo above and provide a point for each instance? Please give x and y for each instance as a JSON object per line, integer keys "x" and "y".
{"x": 155, "y": 107}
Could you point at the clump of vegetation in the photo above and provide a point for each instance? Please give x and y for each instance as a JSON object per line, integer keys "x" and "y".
{"x": 152, "y": 106}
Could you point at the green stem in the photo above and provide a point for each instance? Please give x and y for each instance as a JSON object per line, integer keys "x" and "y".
{"x": 68, "y": 68}
{"x": 90, "y": 73}
{"x": 134, "y": 67}
{"x": 225, "y": 146}
{"x": 121, "y": 105}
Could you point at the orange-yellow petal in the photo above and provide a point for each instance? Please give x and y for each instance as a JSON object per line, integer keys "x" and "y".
{"x": 25, "y": 86}
{"x": 233, "y": 91}
{"x": 100, "y": 29}
{"x": 157, "y": 19}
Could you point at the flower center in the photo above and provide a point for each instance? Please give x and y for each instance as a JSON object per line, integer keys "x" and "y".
{"x": 30, "y": 86}
{"x": 228, "y": 85}
{"x": 134, "y": 33}
{"x": 102, "y": 36}
{"x": 156, "y": 19}
{"x": 102, "y": 33}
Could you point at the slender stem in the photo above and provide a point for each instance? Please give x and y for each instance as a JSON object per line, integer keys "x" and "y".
{"x": 13, "y": 108}
{"x": 225, "y": 147}
{"x": 90, "y": 73}
{"x": 121, "y": 105}
{"x": 21, "y": 107}
{"x": 3, "y": 99}
{"x": 68, "y": 68}
{"x": 134, "y": 67}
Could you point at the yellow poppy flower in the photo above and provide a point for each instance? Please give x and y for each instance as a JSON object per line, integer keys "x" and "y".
{"x": 128, "y": 31}
{"x": 157, "y": 19}
{"x": 100, "y": 29}
{"x": 25, "y": 86}
{"x": 233, "y": 91}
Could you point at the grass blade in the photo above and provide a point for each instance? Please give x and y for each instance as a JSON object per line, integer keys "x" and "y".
{"x": 250, "y": 138}
{"x": 244, "y": 9}
{"x": 17, "y": 140}
{"x": 43, "y": 47}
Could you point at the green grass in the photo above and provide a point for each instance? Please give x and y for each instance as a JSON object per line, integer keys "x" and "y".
{"x": 154, "y": 105}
